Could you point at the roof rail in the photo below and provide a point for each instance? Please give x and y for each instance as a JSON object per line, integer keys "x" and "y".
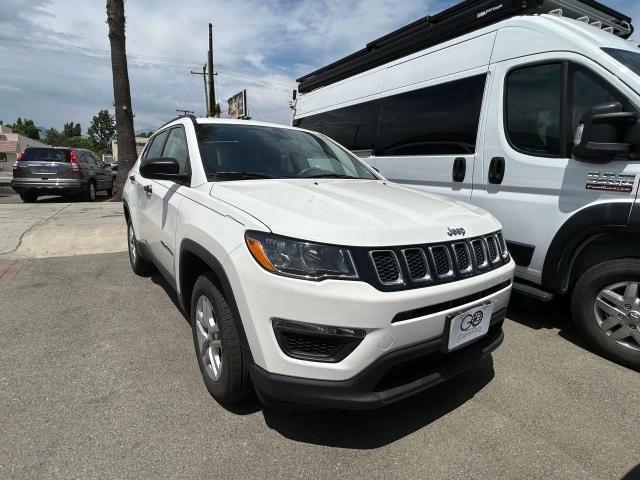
{"x": 457, "y": 20}
{"x": 188, "y": 115}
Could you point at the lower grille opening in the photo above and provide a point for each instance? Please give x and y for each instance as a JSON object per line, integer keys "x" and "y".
{"x": 317, "y": 343}
{"x": 435, "y": 362}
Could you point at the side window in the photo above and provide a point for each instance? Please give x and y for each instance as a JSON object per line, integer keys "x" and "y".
{"x": 438, "y": 120}
{"x": 533, "y": 106}
{"x": 587, "y": 91}
{"x": 157, "y": 142}
{"x": 176, "y": 147}
{"x": 88, "y": 158}
{"x": 353, "y": 127}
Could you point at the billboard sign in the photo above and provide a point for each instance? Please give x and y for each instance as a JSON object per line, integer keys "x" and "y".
{"x": 238, "y": 105}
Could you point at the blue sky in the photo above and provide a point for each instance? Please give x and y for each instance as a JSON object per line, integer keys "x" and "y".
{"x": 55, "y": 63}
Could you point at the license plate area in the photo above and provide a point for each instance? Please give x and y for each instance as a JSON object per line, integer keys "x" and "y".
{"x": 466, "y": 327}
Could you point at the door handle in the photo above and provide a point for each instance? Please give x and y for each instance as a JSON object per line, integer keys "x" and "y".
{"x": 132, "y": 178}
{"x": 496, "y": 170}
{"x": 148, "y": 189}
{"x": 459, "y": 169}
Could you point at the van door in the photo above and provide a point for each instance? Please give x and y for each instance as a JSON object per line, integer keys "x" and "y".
{"x": 427, "y": 137}
{"x": 530, "y": 181}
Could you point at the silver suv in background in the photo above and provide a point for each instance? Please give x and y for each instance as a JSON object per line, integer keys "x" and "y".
{"x": 61, "y": 171}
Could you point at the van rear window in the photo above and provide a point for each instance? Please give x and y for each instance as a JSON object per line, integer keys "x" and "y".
{"x": 46, "y": 155}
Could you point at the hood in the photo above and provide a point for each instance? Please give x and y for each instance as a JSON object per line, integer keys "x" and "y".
{"x": 353, "y": 212}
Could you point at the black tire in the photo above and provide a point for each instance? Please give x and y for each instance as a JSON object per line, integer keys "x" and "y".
{"x": 138, "y": 264}
{"x": 112, "y": 189}
{"x": 28, "y": 197}
{"x": 233, "y": 384}
{"x": 90, "y": 193}
{"x": 583, "y": 300}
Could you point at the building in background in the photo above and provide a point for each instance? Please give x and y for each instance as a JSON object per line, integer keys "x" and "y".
{"x": 140, "y": 143}
{"x": 11, "y": 144}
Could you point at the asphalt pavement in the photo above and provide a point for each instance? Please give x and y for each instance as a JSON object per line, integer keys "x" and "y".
{"x": 98, "y": 379}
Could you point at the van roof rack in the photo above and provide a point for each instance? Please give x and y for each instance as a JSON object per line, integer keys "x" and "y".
{"x": 457, "y": 20}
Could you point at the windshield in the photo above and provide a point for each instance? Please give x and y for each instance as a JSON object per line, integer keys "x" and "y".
{"x": 252, "y": 151}
{"x": 629, "y": 59}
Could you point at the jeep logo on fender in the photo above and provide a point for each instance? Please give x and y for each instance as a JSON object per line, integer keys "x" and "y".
{"x": 455, "y": 231}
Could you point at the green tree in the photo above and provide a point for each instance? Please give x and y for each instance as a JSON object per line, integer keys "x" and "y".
{"x": 79, "y": 142}
{"x": 53, "y": 137}
{"x": 101, "y": 130}
{"x": 26, "y": 127}
{"x": 71, "y": 130}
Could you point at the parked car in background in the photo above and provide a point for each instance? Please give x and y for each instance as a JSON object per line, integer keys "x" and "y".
{"x": 61, "y": 171}
{"x": 532, "y": 116}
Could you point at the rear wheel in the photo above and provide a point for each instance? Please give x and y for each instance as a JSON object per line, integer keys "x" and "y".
{"x": 606, "y": 309}
{"x": 138, "y": 264}
{"x": 90, "y": 194}
{"x": 112, "y": 189}
{"x": 217, "y": 343}
{"x": 27, "y": 197}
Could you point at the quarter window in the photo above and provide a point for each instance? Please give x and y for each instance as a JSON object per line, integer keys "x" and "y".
{"x": 157, "y": 142}
{"x": 533, "y": 108}
{"x": 176, "y": 147}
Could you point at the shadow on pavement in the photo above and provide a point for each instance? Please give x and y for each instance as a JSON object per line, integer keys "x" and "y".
{"x": 539, "y": 315}
{"x": 633, "y": 474}
{"x": 377, "y": 428}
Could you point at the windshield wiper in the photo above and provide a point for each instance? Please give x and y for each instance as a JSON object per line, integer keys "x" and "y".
{"x": 240, "y": 174}
{"x": 330, "y": 175}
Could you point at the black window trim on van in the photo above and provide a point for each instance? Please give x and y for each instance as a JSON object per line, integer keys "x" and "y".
{"x": 377, "y": 104}
{"x": 563, "y": 107}
{"x": 566, "y": 104}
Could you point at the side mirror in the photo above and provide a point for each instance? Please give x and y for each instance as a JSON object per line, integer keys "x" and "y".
{"x": 604, "y": 132}
{"x": 162, "y": 168}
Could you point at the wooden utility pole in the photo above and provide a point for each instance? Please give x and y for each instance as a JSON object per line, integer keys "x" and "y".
{"x": 206, "y": 87}
{"x": 121, "y": 94}
{"x": 211, "y": 111}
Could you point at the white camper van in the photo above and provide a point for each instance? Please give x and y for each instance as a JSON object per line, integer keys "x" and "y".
{"x": 527, "y": 109}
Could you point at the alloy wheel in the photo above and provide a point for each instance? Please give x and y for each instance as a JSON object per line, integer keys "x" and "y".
{"x": 209, "y": 343}
{"x": 132, "y": 244}
{"x": 617, "y": 311}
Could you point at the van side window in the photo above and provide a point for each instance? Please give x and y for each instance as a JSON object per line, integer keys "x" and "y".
{"x": 533, "y": 106}
{"x": 437, "y": 120}
{"x": 587, "y": 91}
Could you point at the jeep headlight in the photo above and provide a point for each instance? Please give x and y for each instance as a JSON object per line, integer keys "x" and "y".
{"x": 296, "y": 258}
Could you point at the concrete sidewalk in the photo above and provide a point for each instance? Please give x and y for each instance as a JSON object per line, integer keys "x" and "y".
{"x": 42, "y": 230}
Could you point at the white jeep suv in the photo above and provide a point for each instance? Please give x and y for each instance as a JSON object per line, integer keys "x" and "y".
{"x": 305, "y": 274}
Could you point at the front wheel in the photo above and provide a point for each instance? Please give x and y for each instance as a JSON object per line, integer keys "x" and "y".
{"x": 90, "y": 194}
{"x": 217, "y": 343}
{"x": 606, "y": 309}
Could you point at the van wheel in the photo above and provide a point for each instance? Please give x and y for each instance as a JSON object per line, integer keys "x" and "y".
{"x": 90, "y": 194}
{"x": 217, "y": 343}
{"x": 112, "y": 189}
{"x": 606, "y": 309}
{"x": 28, "y": 197}
{"x": 138, "y": 264}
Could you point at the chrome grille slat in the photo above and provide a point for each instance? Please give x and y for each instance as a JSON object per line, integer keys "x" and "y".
{"x": 442, "y": 261}
{"x": 386, "y": 266}
{"x": 417, "y": 264}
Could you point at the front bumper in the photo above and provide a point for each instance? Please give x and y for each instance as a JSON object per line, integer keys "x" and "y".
{"x": 50, "y": 186}
{"x": 392, "y": 320}
{"x": 389, "y": 379}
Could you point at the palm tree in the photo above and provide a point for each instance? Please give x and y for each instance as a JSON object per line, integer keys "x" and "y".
{"x": 121, "y": 93}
